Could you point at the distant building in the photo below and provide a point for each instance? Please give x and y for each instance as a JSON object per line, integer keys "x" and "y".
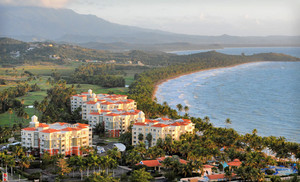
{"x": 56, "y": 138}
{"x": 54, "y": 57}
{"x": 111, "y": 61}
{"x": 160, "y": 128}
{"x": 140, "y": 63}
{"x": 15, "y": 54}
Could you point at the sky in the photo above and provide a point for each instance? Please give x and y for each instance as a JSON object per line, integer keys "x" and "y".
{"x": 196, "y": 17}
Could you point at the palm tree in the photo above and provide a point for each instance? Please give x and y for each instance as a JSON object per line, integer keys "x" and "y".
{"x": 19, "y": 152}
{"x": 179, "y": 107}
{"x": 88, "y": 163}
{"x": 133, "y": 157}
{"x": 94, "y": 160}
{"x": 140, "y": 176}
{"x": 72, "y": 162}
{"x": 20, "y": 112}
{"x": 63, "y": 167}
{"x": 26, "y": 116}
{"x": 149, "y": 139}
{"x": 35, "y": 105}
{"x": 10, "y": 112}
{"x": 186, "y": 109}
{"x": 165, "y": 103}
{"x": 228, "y": 121}
{"x": 25, "y": 161}
{"x": 206, "y": 119}
{"x": 9, "y": 161}
{"x": 140, "y": 137}
{"x": 81, "y": 164}
{"x": 184, "y": 149}
{"x": 114, "y": 153}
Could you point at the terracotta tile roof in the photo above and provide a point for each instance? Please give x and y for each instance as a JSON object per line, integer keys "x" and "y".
{"x": 81, "y": 95}
{"x": 107, "y": 103}
{"x": 160, "y": 125}
{"x": 165, "y": 119}
{"x": 185, "y": 123}
{"x": 105, "y": 111}
{"x": 95, "y": 113}
{"x": 218, "y": 176}
{"x": 50, "y": 131}
{"x": 67, "y": 129}
{"x": 187, "y": 120}
{"x": 126, "y": 113}
{"x": 70, "y": 129}
{"x": 84, "y": 92}
{"x": 235, "y": 162}
{"x": 175, "y": 124}
{"x": 91, "y": 102}
{"x": 43, "y": 125}
{"x": 140, "y": 124}
{"x": 151, "y": 121}
{"x": 150, "y": 163}
{"x": 182, "y": 161}
{"x": 29, "y": 129}
{"x": 112, "y": 114}
{"x": 82, "y": 124}
{"x": 208, "y": 166}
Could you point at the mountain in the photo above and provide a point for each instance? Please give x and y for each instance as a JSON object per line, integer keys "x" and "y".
{"x": 64, "y": 25}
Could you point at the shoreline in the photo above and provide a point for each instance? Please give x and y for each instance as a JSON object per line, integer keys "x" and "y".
{"x": 215, "y": 68}
{"x": 207, "y": 69}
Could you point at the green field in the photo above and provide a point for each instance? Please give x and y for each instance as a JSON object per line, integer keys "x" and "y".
{"x": 8, "y": 120}
{"x": 44, "y": 71}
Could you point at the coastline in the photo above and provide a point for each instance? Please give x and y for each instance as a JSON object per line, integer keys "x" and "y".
{"x": 207, "y": 69}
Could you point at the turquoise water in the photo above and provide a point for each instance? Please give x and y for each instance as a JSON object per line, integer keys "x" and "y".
{"x": 264, "y": 95}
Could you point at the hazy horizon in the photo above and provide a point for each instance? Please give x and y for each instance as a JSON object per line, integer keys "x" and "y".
{"x": 193, "y": 17}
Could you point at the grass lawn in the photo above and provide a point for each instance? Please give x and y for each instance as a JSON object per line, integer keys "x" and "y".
{"x": 98, "y": 89}
{"x": 7, "y": 120}
{"x": 110, "y": 139}
{"x": 44, "y": 68}
{"x": 30, "y": 97}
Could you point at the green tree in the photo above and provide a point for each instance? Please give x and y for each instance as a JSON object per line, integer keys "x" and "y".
{"x": 101, "y": 177}
{"x": 140, "y": 176}
{"x": 149, "y": 139}
{"x": 140, "y": 137}
{"x": 179, "y": 107}
{"x": 186, "y": 109}
{"x": 63, "y": 167}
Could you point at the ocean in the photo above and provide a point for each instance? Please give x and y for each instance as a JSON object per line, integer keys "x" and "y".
{"x": 262, "y": 95}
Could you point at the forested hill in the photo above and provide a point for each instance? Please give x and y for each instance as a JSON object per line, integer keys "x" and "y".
{"x": 13, "y": 52}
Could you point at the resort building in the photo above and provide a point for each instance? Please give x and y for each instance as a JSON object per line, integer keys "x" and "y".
{"x": 160, "y": 128}
{"x": 89, "y": 101}
{"x": 56, "y": 138}
{"x": 115, "y": 112}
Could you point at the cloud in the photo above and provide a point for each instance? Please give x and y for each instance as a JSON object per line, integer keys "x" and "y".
{"x": 41, "y": 3}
